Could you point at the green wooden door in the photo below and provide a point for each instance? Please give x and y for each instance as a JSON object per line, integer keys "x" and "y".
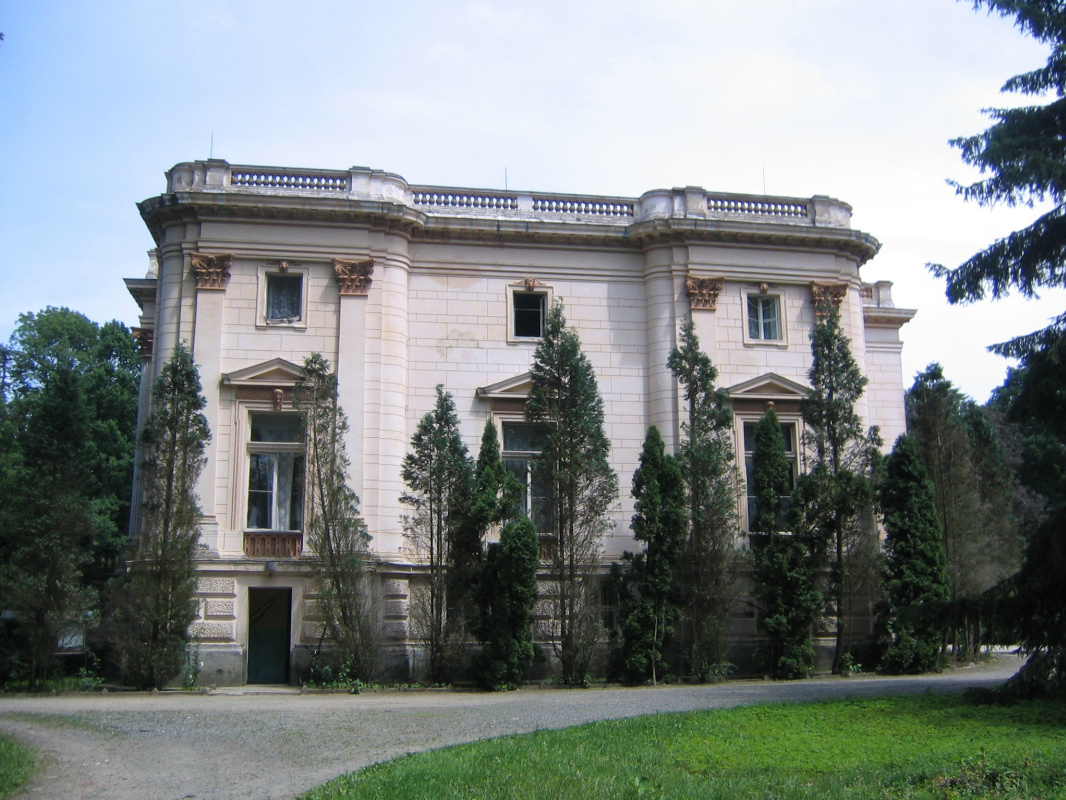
{"x": 269, "y": 615}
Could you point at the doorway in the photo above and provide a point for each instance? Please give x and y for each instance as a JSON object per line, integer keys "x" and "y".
{"x": 269, "y": 618}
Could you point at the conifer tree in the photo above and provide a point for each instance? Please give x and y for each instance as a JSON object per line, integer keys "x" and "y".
{"x": 915, "y": 576}
{"x": 336, "y": 534}
{"x": 574, "y": 463}
{"x": 506, "y": 594}
{"x": 439, "y": 478}
{"x": 648, "y": 602}
{"x": 964, "y": 463}
{"x": 707, "y": 575}
{"x": 785, "y": 586}
{"x": 831, "y": 502}
{"x": 1021, "y": 160}
{"x": 494, "y": 499}
{"x": 771, "y": 475}
{"x": 46, "y": 522}
{"x": 154, "y": 608}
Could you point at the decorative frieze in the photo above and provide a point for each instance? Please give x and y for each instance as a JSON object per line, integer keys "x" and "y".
{"x": 825, "y": 295}
{"x": 703, "y": 292}
{"x": 353, "y": 277}
{"x": 212, "y": 272}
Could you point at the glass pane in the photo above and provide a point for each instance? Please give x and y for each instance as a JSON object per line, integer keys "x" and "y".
{"x": 283, "y": 296}
{"x": 541, "y": 508}
{"x": 754, "y": 321}
{"x": 276, "y": 428}
{"x": 259, "y": 509}
{"x": 753, "y": 510}
{"x": 749, "y": 437}
{"x": 523, "y": 437}
{"x": 770, "y": 328}
{"x": 528, "y": 314}
{"x": 787, "y": 434}
{"x": 260, "y": 490}
{"x": 519, "y": 467}
{"x": 296, "y": 495}
{"x": 261, "y": 472}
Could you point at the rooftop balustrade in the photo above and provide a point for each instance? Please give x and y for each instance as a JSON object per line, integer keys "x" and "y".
{"x": 442, "y": 201}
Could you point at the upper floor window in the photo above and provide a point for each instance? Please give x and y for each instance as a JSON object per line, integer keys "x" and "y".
{"x": 528, "y": 314}
{"x": 284, "y": 298}
{"x": 764, "y": 317}
{"x": 276, "y": 472}
{"x": 788, "y": 433}
{"x": 522, "y": 444}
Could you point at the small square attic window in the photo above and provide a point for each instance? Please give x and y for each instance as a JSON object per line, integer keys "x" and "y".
{"x": 284, "y": 298}
{"x": 529, "y": 308}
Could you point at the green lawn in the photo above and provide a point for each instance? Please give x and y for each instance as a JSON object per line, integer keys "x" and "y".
{"x": 16, "y": 765}
{"x": 909, "y": 747}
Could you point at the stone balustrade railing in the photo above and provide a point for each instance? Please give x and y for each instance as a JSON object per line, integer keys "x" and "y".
{"x": 361, "y": 183}
{"x": 273, "y": 545}
{"x": 256, "y": 178}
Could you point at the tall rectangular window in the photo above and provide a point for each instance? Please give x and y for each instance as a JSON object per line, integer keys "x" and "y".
{"x": 284, "y": 298}
{"x": 764, "y": 317}
{"x": 522, "y": 444}
{"x": 528, "y": 314}
{"x": 788, "y": 433}
{"x": 276, "y": 473}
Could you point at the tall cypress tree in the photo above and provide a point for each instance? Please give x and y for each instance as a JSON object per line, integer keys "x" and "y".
{"x": 439, "y": 477}
{"x": 707, "y": 574}
{"x": 336, "y": 534}
{"x": 506, "y": 594}
{"x": 974, "y": 498}
{"x": 46, "y": 520}
{"x": 915, "y": 577}
{"x": 154, "y": 608}
{"x": 1021, "y": 157}
{"x": 648, "y": 605}
{"x": 582, "y": 486}
{"x": 788, "y": 598}
{"x": 832, "y": 500}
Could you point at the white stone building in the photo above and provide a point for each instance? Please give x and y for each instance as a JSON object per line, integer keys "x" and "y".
{"x": 405, "y": 287}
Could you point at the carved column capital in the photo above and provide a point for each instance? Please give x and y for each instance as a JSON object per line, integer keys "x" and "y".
{"x": 703, "y": 292}
{"x": 212, "y": 272}
{"x": 353, "y": 277}
{"x": 826, "y": 296}
{"x": 145, "y": 339}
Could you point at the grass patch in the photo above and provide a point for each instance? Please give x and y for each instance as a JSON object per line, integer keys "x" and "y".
{"x": 17, "y": 764}
{"x": 927, "y": 747}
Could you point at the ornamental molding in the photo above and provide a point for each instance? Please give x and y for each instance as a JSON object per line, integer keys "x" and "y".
{"x": 703, "y": 292}
{"x": 353, "y": 277}
{"x": 145, "y": 339}
{"x": 212, "y": 271}
{"x": 825, "y": 295}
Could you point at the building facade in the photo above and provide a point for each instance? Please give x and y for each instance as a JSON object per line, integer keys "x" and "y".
{"x": 405, "y": 287}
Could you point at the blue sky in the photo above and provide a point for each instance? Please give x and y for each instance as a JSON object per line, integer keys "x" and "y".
{"x": 855, "y": 99}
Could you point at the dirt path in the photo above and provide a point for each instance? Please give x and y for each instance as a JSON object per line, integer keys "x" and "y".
{"x": 278, "y": 744}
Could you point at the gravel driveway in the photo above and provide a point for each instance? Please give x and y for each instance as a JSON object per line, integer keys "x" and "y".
{"x": 261, "y": 743}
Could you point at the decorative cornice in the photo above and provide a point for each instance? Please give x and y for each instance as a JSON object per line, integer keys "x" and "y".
{"x": 878, "y": 317}
{"x": 145, "y": 339}
{"x": 212, "y": 271}
{"x": 703, "y": 292}
{"x": 353, "y": 277}
{"x": 825, "y": 295}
